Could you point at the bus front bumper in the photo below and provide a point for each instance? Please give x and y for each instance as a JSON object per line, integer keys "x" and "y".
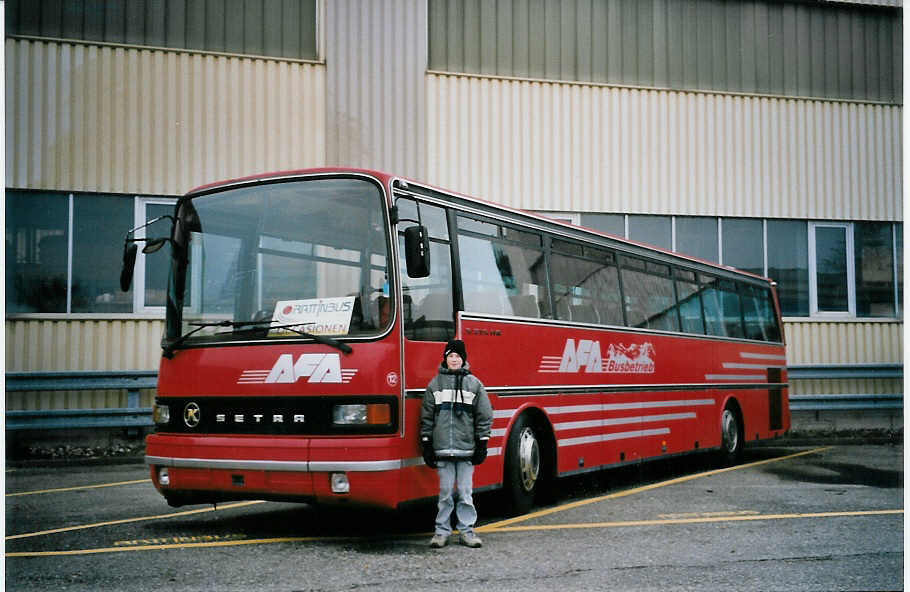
{"x": 190, "y": 470}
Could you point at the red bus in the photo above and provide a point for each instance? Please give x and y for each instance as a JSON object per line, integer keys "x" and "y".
{"x": 308, "y": 310}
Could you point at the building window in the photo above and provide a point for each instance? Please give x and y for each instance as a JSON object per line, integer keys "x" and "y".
{"x": 697, "y": 236}
{"x": 654, "y": 230}
{"x": 830, "y": 268}
{"x": 150, "y": 279}
{"x": 821, "y": 268}
{"x": 874, "y": 247}
{"x": 614, "y": 224}
{"x": 788, "y": 265}
{"x": 64, "y": 253}
{"x": 37, "y": 243}
{"x": 743, "y": 244}
{"x": 253, "y": 27}
{"x": 99, "y": 225}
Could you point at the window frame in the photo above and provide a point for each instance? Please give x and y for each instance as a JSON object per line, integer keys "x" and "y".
{"x": 847, "y": 227}
{"x": 140, "y": 205}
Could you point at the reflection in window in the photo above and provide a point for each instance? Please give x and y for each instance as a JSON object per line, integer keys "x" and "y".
{"x": 831, "y": 269}
{"x": 586, "y": 291}
{"x": 433, "y": 217}
{"x": 743, "y": 244}
{"x": 653, "y": 230}
{"x": 758, "y": 314}
{"x": 36, "y": 251}
{"x": 614, "y": 224}
{"x": 697, "y": 237}
{"x": 690, "y": 312}
{"x": 650, "y": 300}
{"x": 732, "y": 310}
{"x": 788, "y": 265}
{"x": 156, "y": 265}
{"x": 503, "y": 278}
{"x": 723, "y": 309}
{"x": 874, "y": 260}
{"x": 428, "y": 309}
{"x": 99, "y": 223}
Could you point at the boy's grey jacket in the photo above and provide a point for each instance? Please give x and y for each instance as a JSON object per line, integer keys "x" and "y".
{"x": 455, "y": 412}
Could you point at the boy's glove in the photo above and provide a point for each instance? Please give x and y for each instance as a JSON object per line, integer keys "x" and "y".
{"x": 480, "y": 452}
{"x": 429, "y": 456}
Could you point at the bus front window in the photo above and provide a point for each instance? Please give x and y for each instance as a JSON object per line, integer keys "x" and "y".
{"x": 268, "y": 261}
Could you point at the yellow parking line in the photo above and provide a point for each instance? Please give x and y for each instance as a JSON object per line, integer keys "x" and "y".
{"x": 128, "y": 520}
{"x": 508, "y": 522}
{"x": 704, "y": 520}
{"x": 327, "y": 539}
{"x": 626, "y": 524}
{"x": 78, "y": 487}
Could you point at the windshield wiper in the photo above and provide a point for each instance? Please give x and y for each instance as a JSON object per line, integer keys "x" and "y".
{"x": 169, "y": 347}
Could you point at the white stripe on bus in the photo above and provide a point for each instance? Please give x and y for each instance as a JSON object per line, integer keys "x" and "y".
{"x": 596, "y": 423}
{"x": 613, "y": 436}
{"x": 735, "y": 377}
{"x": 762, "y": 356}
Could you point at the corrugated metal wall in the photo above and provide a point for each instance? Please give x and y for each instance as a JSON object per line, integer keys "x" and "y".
{"x": 92, "y": 344}
{"x": 845, "y": 343}
{"x": 807, "y": 49}
{"x": 851, "y": 342}
{"x": 376, "y": 106}
{"x": 112, "y": 119}
{"x": 576, "y": 147}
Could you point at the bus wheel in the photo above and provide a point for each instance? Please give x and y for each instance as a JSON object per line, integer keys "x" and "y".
{"x": 522, "y": 466}
{"x": 731, "y": 435}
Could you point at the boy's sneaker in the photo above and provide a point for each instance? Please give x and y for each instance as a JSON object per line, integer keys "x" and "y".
{"x": 439, "y": 541}
{"x": 469, "y": 539}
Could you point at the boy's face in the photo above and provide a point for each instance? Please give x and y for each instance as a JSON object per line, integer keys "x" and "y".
{"x": 453, "y": 361}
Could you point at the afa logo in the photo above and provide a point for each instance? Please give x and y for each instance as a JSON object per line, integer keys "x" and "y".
{"x": 586, "y": 356}
{"x": 316, "y": 368}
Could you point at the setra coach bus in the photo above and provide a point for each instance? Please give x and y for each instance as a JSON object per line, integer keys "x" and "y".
{"x": 308, "y": 310}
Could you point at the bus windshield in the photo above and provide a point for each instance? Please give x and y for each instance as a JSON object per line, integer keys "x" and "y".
{"x": 274, "y": 261}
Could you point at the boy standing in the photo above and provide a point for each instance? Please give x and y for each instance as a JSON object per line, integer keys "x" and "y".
{"x": 455, "y": 420}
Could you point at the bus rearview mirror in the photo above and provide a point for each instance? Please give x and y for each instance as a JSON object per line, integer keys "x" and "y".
{"x": 417, "y": 251}
{"x": 129, "y": 262}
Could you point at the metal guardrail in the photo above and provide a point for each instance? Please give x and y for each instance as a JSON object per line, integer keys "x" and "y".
{"x": 133, "y": 416}
{"x": 841, "y": 402}
{"x": 831, "y": 371}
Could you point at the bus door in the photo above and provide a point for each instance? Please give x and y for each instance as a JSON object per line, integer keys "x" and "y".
{"x": 427, "y": 318}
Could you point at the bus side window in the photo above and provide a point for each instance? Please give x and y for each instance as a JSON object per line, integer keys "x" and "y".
{"x": 585, "y": 284}
{"x": 710, "y": 297}
{"x": 503, "y": 270}
{"x": 732, "y": 309}
{"x": 649, "y": 293}
{"x": 758, "y": 313}
{"x": 690, "y": 311}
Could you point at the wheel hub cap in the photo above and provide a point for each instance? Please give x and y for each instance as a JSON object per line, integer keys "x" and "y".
{"x": 528, "y": 458}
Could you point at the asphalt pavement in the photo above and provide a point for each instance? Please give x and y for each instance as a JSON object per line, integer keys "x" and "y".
{"x": 788, "y": 518}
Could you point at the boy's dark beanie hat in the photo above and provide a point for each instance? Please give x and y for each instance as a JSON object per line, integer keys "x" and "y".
{"x": 457, "y": 346}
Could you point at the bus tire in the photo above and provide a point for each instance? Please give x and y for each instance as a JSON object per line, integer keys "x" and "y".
{"x": 731, "y": 435}
{"x": 523, "y": 466}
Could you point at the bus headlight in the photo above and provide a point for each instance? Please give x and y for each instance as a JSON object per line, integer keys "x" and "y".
{"x": 362, "y": 414}
{"x": 161, "y": 414}
{"x": 164, "y": 477}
